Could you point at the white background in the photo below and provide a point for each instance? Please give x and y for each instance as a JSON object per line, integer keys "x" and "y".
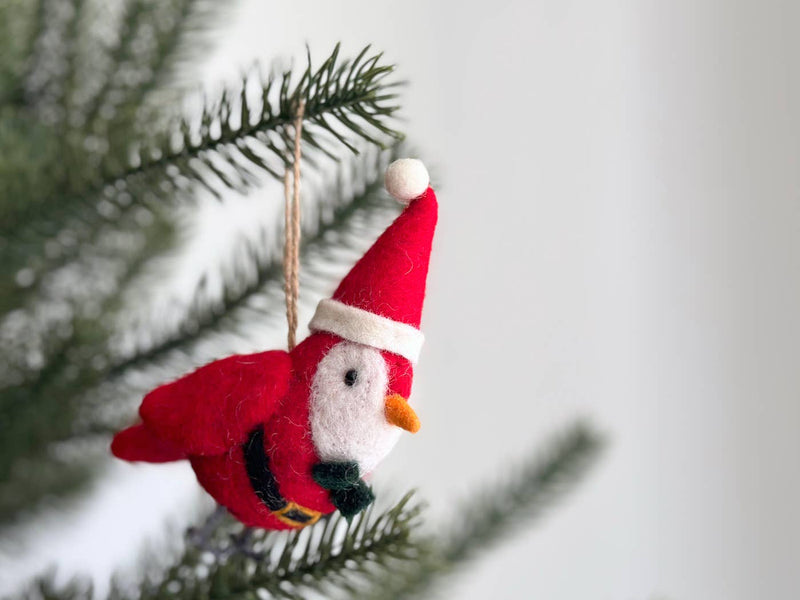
{"x": 619, "y": 239}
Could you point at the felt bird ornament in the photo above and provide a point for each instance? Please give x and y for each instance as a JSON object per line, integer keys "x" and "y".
{"x": 282, "y": 438}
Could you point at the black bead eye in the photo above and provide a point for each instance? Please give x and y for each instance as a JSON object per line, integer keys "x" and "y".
{"x": 350, "y": 377}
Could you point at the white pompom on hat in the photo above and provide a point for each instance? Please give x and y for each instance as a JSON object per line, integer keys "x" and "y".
{"x": 406, "y": 179}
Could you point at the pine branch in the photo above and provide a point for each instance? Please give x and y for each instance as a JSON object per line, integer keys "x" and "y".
{"x": 384, "y": 557}
{"x": 235, "y": 135}
{"x": 37, "y": 412}
{"x": 332, "y": 555}
{"x": 323, "y": 559}
{"x": 47, "y": 170}
{"x": 31, "y": 335}
{"x": 241, "y": 133}
{"x": 490, "y": 518}
{"x": 351, "y": 211}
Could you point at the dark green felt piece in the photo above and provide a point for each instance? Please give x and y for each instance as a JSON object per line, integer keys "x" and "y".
{"x": 351, "y": 501}
{"x": 336, "y": 475}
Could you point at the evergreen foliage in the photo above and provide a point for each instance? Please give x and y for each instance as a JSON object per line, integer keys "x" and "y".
{"x": 371, "y": 557}
{"x": 100, "y": 150}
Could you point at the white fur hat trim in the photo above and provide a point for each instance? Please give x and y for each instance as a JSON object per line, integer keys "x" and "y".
{"x": 364, "y": 327}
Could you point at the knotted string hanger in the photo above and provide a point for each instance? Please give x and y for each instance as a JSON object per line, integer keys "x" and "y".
{"x": 291, "y": 249}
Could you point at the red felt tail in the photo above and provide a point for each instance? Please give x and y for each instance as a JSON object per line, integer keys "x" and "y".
{"x": 138, "y": 443}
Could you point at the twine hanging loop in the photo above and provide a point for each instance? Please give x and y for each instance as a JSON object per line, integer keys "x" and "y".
{"x": 291, "y": 249}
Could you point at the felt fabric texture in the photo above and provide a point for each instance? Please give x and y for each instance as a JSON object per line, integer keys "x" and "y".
{"x": 349, "y": 493}
{"x": 399, "y": 413}
{"x": 348, "y": 422}
{"x": 261, "y": 431}
{"x": 352, "y": 500}
{"x": 139, "y": 443}
{"x": 262, "y": 480}
{"x": 216, "y": 406}
{"x": 406, "y": 179}
{"x": 265, "y": 486}
{"x": 336, "y": 475}
{"x": 364, "y": 327}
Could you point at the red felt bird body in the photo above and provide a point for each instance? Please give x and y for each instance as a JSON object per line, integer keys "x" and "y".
{"x": 281, "y": 438}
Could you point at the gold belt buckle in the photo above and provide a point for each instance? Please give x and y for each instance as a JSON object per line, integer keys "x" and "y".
{"x": 297, "y": 516}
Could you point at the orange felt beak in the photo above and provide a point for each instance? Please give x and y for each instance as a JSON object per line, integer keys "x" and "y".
{"x": 400, "y": 413}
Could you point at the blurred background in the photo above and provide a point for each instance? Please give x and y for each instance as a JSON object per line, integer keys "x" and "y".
{"x": 619, "y": 239}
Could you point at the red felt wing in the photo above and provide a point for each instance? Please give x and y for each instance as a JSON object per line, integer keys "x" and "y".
{"x": 138, "y": 443}
{"x": 214, "y": 408}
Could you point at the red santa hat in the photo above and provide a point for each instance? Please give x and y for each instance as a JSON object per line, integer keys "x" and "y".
{"x": 379, "y": 302}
